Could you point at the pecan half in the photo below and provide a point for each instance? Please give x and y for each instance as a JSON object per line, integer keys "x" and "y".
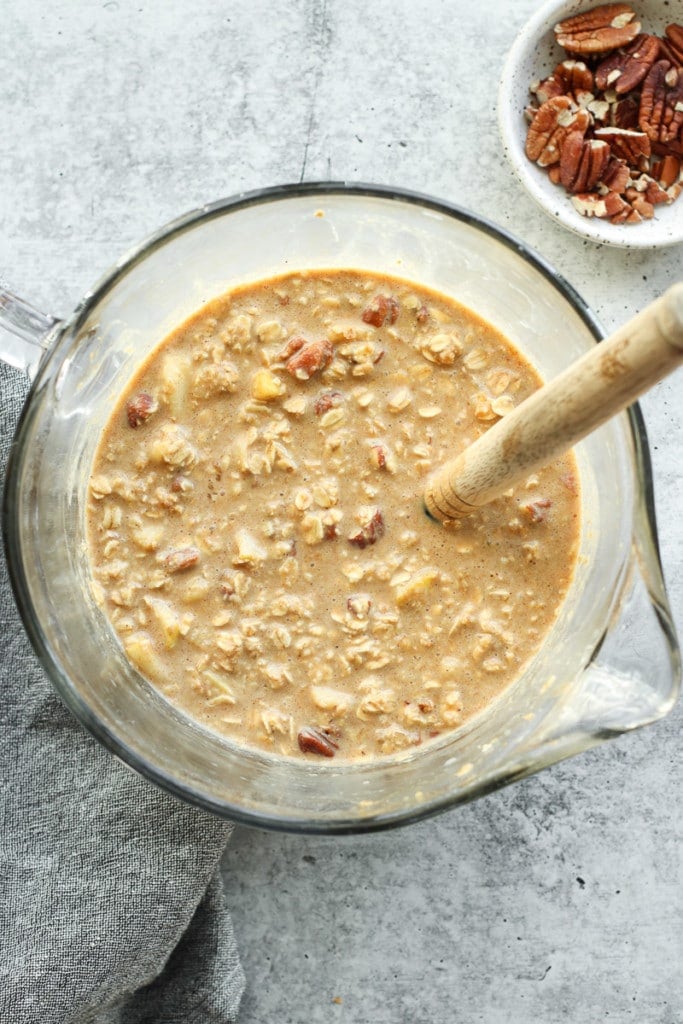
{"x": 383, "y": 309}
{"x": 140, "y": 409}
{"x": 598, "y": 30}
{"x": 550, "y": 127}
{"x": 316, "y": 741}
{"x": 661, "y": 103}
{"x": 310, "y": 358}
{"x": 626, "y": 69}
{"x": 626, "y": 144}
{"x": 674, "y": 40}
{"x": 583, "y": 162}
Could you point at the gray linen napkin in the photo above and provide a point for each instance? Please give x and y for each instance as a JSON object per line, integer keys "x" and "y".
{"x": 111, "y": 905}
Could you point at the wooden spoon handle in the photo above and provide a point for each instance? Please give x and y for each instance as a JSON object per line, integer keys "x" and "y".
{"x": 597, "y": 386}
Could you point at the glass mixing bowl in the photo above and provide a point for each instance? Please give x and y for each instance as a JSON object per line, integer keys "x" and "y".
{"x": 611, "y": 662}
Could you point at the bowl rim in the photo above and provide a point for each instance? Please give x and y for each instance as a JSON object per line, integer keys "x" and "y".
{"x": 49, "y": 660}
{"x": 653, "y": 234}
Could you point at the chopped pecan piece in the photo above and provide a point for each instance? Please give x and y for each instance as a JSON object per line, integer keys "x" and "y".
{"x": 627, "y": 144}
{"x": 359, "y": 605}
{"x": 370, "y": 532}
{"x": 583, "y": 162}
{"x": 598, "y": 30}
{"x": 667, "y": 171}
{"x": 642, "y": 206}
{"x": 310, "y": 358}
{"x": 550, "y": 127}
{"x": 591, "y": 204}
{"x": 570, "y": 78}
{"x": 617, "y": 176}
{"x": 316, "y": 741}
{"x": 140, "y": 409}
{"x": 661, "y": 103}
{"x": 626, "y": 69}
{"x": 624, "y": 113}
{"x": 327, "y": 400}
{"x": 383, "y": 309}
{"x": 293, "y": 345}
{"x": 537, "y": 511}
{"x": 183, "y": 558}
{"x": 652, "y": 190}
{"x": 180, "y": 484}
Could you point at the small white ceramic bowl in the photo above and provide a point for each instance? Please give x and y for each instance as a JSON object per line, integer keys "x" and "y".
{"x": 533, "y": 55}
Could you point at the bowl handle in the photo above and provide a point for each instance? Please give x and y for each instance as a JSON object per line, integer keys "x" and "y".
{"x": 25, "y": 333}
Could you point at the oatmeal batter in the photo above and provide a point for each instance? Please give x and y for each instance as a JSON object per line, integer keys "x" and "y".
{"x": 256, "y": 528}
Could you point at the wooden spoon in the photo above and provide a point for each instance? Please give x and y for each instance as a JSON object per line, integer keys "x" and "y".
{"x": 590, "y": 391}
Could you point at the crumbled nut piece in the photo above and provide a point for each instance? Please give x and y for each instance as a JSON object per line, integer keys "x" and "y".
{"x": 370, "y": 532}
{"x": 537, "y": 511}
{"x": 294, "y": 344}
{"x": 327, "y": 400}
{"x": 310, "y": 359}
{"x": 317, "y": 741}
{"x": 140, "y": 408}
{"x": 382, "y": 457}
{"x": 383, "y": 309}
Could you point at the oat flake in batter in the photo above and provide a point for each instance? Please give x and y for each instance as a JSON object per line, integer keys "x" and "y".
{"x": 256, "y": 529}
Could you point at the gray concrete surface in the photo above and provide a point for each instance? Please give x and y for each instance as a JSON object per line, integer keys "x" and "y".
{"x": 558, "y": 899}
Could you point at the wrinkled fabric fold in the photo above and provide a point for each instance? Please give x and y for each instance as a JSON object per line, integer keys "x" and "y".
{"x": 111, "y": 903}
